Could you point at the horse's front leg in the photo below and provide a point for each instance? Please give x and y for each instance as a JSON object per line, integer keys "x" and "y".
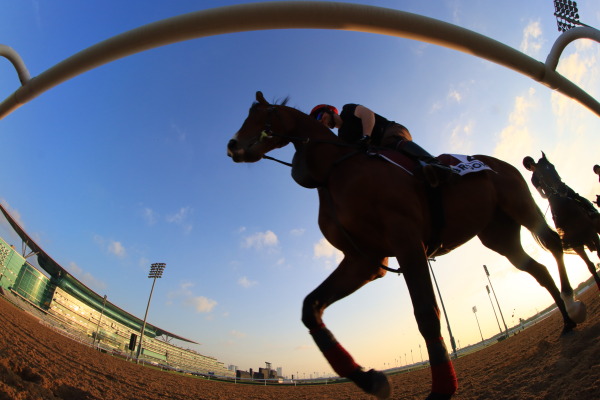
{"x": 418, "y": 281}
{"x": 349, "y": 276}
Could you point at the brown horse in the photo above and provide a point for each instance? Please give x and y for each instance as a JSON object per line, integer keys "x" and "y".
{"x": 372, "y": 210}
{"x": 575, "y": 218}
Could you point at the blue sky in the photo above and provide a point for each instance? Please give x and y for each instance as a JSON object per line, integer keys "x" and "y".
{"x": 125, "y": 165}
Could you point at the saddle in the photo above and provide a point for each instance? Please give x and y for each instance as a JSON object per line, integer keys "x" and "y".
{"x": 458, "y": 164}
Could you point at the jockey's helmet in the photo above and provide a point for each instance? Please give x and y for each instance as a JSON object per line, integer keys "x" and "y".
{"x": 596, "y": 169}
{"x": 528, "y": 162}
{"x": 317, "y": 111}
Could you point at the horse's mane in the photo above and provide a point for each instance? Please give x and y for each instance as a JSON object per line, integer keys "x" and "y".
{"x": 275, "y": 103}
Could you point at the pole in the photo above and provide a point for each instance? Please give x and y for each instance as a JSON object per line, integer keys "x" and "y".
{"x": 443, "y": 307}
{"x": 99, "y": 320}
{"x": 499, "y": 309}
{"x": 477, "y": 319}
{"x": 156, "y": 271}
{"x": 493, "y": 308}
{"x": 144, "y": 324}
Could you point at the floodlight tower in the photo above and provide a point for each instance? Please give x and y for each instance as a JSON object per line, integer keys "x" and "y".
{"x": 497, "y": 303}
{"x": 452, "y": 342}
{"x": 567, "y": 15}
{"x": 156, "y": 271}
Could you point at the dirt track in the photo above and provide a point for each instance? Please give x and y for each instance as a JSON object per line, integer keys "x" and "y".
{"x": 38, "y": 363}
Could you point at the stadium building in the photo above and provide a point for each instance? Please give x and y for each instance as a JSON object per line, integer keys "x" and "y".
{"x": 69, "y": 305}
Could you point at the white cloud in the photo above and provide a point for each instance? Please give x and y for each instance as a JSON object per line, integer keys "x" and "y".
{"x": 532, "y": 39}
{"x": 181, "y": 218}
{"x": 516, "y": 138}
{"x": 149, "y": 215}
{"x": 245, "y": 282}
{"x": 455, "y": 95}
{"x": 117, "y": 249}
{"x": 260, "y": 240}
{"x": 201, "y": 304}
{"x": 237, "y": 334}
{"x": 85, "y": 277}
{"x": 324, "y": 249}
{"x": 297, "y": 232}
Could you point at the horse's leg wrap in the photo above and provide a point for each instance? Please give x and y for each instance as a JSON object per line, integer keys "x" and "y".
{"x": 340, "y": 360}
{"x": 443, "y": 377}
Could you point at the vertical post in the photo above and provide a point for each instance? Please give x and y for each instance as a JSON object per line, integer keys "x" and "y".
{"x": 443, "y": 307}
{"x": 493, "y": 308}
{"x": 99, "y": 320}
{"x": 156, "y": 271}
{"x": 477, "y": 319}
{"x": 499, "y": 309}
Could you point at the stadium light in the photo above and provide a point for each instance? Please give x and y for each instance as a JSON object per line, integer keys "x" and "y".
{"x": 156, "y": 271}
{"x": 567, "y": 15}
{"x": 497, "y": 303}
{"x": 452, "y": 342}
{"x": 99, "y": 320}
{"x": 479, "y": 326}
{"x": 493, "y": 308}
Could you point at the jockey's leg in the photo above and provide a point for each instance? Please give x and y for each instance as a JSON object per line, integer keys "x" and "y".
{"x": 434, "y": 171}
{"x": 350, "y": 275}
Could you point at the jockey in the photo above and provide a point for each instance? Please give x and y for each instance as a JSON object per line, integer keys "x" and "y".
{"x": 358, "y": 124}
{"x": 530, "y": 165}
{"x": 587, "y": 205}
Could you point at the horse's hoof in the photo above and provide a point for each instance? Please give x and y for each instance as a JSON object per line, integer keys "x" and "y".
{"x": 373, "y": 382}
{"x": 577, "y": 312}
{"x": 575, "y": 308}
{"x": 438, "y": 396}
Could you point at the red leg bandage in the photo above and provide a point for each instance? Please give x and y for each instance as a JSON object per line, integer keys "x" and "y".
{"x": 443, "y": 379}
{"x": 443, "y": 376}
{"x": 340, "y": 360}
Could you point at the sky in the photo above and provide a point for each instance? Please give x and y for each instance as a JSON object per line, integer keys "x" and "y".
{"x": 125, "y": 165}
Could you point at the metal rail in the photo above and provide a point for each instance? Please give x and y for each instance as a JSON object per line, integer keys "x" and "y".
{"x": 293, "y": 15}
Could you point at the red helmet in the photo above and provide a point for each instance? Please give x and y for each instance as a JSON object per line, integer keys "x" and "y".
{"x": 321, "y": 108}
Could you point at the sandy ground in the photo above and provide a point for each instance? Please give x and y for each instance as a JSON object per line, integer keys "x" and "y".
{"x": 38, "y": 363}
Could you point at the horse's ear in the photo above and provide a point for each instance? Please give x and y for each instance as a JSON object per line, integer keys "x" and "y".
{"x": 260, "y": 98}
{"x": 543, "y": 155}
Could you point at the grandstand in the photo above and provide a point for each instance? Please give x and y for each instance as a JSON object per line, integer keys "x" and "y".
{"x": 67, "y": 304}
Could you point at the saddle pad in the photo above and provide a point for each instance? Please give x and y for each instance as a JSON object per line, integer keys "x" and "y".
{"x": 460, "y": 164}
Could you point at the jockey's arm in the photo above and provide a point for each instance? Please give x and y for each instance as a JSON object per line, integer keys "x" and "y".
{"x": 367, "y": 117}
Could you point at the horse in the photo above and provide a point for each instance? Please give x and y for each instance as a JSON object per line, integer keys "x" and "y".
{"x": 370, "y": 210}
{"x": 578, "y": 224}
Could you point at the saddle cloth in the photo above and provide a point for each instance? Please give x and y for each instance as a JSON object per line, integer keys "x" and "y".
{"x": 460, "y": 164}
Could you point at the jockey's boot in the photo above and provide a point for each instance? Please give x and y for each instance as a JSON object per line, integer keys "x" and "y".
{"x": 435, "y": 172}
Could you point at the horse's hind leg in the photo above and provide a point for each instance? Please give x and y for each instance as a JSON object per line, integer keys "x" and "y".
{"x": 503, "y": 236}
{"x": 581, "y": 252}
{"x": 349, "y": 276}
{"x": 416, "y": 274}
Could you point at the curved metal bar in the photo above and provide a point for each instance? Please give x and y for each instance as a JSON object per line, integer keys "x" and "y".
{"x": 294, "y": 15}
{"x": 567, "y": 37}
{"x": 16, "y": 61}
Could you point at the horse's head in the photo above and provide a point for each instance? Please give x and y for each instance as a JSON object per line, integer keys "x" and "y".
{"x": 548, "y": 176}
{"x": 255, "y": 138}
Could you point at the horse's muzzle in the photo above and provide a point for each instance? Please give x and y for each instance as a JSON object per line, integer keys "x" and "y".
{"x": 234, "y": 151}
